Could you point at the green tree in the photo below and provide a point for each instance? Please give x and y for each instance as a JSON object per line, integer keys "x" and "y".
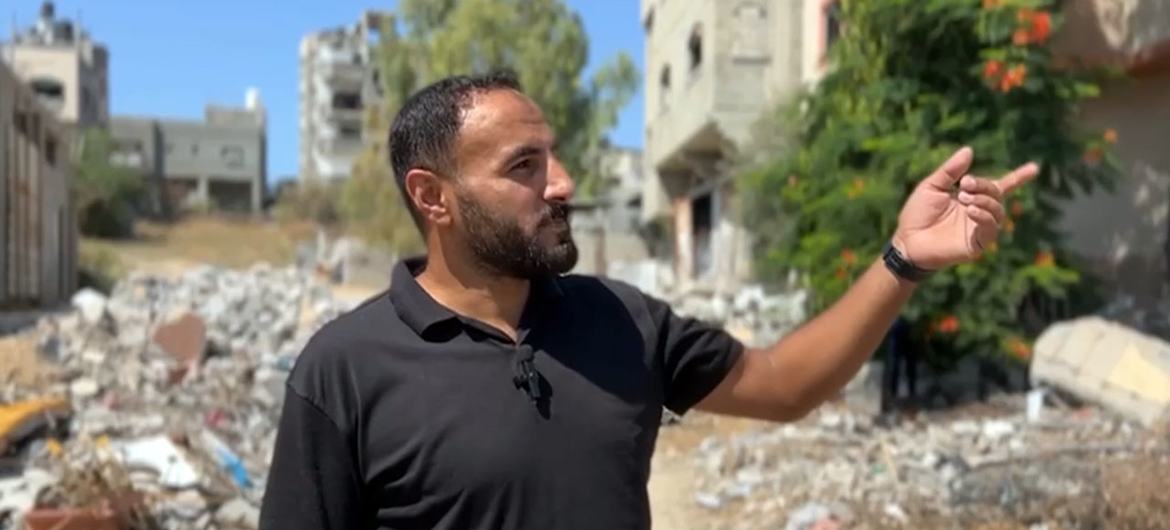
{"x": 912, "y": 81}
{"x": 105, "y": 194}
{"x": 543, "y": 41}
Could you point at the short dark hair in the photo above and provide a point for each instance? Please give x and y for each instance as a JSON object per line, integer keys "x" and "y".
{"x": 426, "y": 126}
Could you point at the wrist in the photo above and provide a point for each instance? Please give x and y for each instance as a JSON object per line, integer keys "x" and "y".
{"x": 896, "y": 260}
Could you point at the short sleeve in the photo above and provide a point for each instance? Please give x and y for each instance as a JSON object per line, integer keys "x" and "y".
{"x": 695, "y": 355}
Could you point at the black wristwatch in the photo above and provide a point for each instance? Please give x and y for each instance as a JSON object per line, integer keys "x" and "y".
{"x": 901, "y": 266}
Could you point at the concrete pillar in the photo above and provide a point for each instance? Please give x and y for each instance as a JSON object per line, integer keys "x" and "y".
{"x": 257, "y": 196}
{"x": 203, "y": 189}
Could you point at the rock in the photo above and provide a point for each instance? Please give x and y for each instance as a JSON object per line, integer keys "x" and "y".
{"x": 18, "y": 494}
{"x": 1107, "y": 364}
{"x": 160, "y": 455}
{"x": 995, "y": 430}
{"x": 238, "y": 513}
{"x": 84, "y": 388}
{"x": 811, "y": 516}
{"x": 91, "y": 304}
{"x": 710, "y": 501}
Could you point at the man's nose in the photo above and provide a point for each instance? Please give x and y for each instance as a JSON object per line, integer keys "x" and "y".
{"x": 560, "y": 184}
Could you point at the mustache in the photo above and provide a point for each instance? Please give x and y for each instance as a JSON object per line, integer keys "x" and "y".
{"x": 557, "y": 212}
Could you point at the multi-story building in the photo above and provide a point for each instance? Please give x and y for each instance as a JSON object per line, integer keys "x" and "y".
{"x": 66, "y": 69}
{"x": 220, "y": 161}
{"x": 713, "y": 68}
{"x": 338, "y": 81}
{"x": 38, "y": 230}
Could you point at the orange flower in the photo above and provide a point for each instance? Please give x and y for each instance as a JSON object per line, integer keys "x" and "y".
{"x": 1024, "y": 15}
{"x": 1009, "y": 226}
{"x": 1019, "y": 348}
{"x": 1013, "y": 78}
{"x": 842, "y": 273}
{"x": 1110, "y": 136}
{"x": 856, "y": 188}
{"x": 1021, "y": 37}
{"x": 1041, "y": 27}
{"x": 849, "y": 257}
{"x": 992, "y": 4}
{"x": 1044, "y": 258}
{"x": 949, "y": 324}
{"x": 992, "y": 70}
{"x": 1017, "y": 208}
{"x": 1093, "y": 155}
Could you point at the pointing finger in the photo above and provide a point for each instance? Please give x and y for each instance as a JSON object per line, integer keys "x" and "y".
{"x": 952, "y": 170}
{"x": 1018, "y": 177}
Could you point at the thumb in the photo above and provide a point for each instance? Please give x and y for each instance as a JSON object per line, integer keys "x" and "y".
{"x": 945, "y": 177}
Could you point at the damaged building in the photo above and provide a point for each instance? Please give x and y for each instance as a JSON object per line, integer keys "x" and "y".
{"x": 338, "y": 82}
{"x": 712, "y": 69}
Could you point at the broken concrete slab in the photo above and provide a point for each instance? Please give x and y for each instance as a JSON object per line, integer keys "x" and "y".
{"x": 185, "y": 339}
{"x": 160, "y": 455}
{"x": 1107, "y": 364}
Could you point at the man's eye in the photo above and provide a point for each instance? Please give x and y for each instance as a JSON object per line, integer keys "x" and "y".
{"x": 524, "y": 165}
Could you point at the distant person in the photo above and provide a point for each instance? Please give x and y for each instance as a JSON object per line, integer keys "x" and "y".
{"x": 900, "y": 359}
{"x": 488, "y": 389}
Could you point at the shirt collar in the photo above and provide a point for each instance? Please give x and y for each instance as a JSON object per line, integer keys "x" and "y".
{"x": 423, "y": 313}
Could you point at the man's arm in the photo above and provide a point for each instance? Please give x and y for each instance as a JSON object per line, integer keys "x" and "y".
{"x": 312, "y": 483}
{"x": 936, "y": 228}
{"x": 808, "y": 366}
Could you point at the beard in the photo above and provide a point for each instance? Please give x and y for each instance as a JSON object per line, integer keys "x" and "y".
{"x": 501, "y": 246}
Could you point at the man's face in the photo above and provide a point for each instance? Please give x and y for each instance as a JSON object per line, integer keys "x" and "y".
{"x": 511, "y": 192}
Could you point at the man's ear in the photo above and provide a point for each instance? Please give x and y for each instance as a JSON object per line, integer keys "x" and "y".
{"x": 424, "y": 189}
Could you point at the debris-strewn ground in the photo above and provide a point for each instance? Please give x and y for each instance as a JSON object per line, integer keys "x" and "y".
{"x": 985, "y": 467}
{"x": 173, "y": 386}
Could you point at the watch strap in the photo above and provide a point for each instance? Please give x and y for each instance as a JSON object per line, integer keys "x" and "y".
{"x": 901, "y": 266}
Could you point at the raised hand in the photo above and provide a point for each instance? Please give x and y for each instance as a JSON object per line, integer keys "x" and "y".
{"x": 938, "y": 228}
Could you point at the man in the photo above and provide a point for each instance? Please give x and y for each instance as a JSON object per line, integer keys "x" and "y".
{"x": 487, "y": 390}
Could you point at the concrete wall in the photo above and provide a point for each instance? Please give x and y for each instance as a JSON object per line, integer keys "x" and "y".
{"x": 1124, "y": 234}
{"x": 38, "y": 233}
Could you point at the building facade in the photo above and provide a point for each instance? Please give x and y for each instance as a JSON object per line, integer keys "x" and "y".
{"x": 64, "y": 67}
{"x": 1125, "y": 235}
{"x": 219, "y": 162}
{"x": 338, "y": 82}
{"x": 38, "y": 230}
{"x": 713, "y": 68}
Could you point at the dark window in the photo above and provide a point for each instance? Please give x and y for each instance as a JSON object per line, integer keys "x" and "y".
{"x": 343, "y": 100}
{"x": 664, "y": 78}
{"x": 233, "y": 155}
{"x": 695, "y": 46}
{"x": 47, "y": 87}
{"x": 349, "y": 131}
{"x": 648, "y": 24}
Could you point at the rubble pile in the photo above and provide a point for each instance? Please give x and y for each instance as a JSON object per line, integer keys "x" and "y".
{"x": 837, "y": 467}
{"x": 756, "y": 317}
{"x": 179, "y": 382}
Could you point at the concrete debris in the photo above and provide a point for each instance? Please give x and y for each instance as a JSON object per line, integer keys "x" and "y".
{"x": 159, "y": 454}
{"x": 756, "y": 318}
{"x": 90, "y": 304}
{"x": 947, "y": 463}
{"x": 1107, "y": 364}
{"x": 177, "y": 383}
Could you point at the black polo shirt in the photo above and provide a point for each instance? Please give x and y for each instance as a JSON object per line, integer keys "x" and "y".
{"x": 404, "y": 415}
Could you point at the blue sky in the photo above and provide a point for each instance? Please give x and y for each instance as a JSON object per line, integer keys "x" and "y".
{"x": 171, "y": 57}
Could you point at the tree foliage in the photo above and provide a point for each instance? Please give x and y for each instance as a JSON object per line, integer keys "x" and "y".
{"x": 912, "y": 81}
{"x": 104, "y": 193}
{"x": 543, "y": 41}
